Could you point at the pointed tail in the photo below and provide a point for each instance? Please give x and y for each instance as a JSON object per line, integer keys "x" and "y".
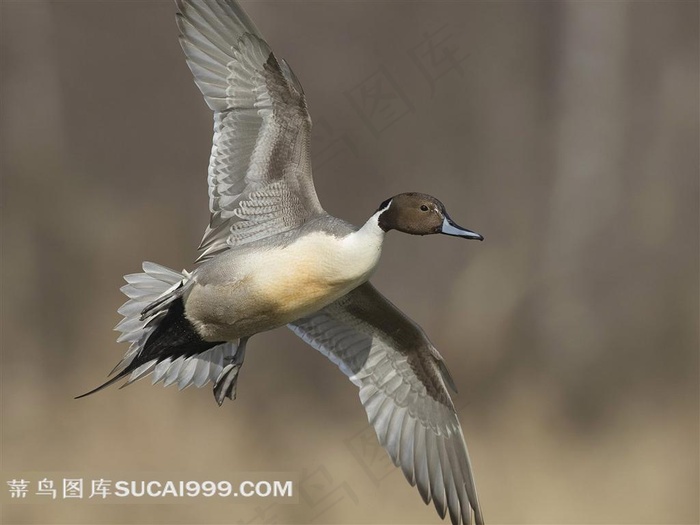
{"x": 151, "y": 294}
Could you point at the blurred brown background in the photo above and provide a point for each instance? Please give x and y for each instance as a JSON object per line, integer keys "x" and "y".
{"x": 565, "y": 132}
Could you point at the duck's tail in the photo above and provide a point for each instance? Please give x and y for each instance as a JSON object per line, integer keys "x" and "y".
{"x": 153, "y": 324}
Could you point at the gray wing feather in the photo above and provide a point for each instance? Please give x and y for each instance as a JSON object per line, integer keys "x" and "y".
{"x": 260, "y": 180}
{"x": 403, "y": 389}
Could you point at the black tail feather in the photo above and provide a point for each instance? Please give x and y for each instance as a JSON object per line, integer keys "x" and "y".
{"x": 174, "y": 336}
{"x": 105, "y": 384}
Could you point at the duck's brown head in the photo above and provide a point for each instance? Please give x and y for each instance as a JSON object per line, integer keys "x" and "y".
{"x": 420, "y": 214}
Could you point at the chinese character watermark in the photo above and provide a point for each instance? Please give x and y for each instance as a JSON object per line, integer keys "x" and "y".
{"x": 370, "y": 455}
{"x": 18, "y": 488}
{"x": 45, "y": 488}
{"x": 101, "y": 488}
{"x": 379, "y": 101}
{"x": 263, "y": 514}
{"x": 331, "y": 145}
{"x": 318, "y": 491}
{"x": 72, "y": 488}
{"x": 437, "y": 55}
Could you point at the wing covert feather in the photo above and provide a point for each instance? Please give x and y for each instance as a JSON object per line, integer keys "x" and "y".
{"x": 402, "y": 382}
{"x": 260, "y": 180}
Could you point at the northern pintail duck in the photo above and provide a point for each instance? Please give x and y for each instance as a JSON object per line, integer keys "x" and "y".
{"x": 271, "y": 256}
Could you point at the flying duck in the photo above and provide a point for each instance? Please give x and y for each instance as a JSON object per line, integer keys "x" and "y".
{"x": 271, "y": 256}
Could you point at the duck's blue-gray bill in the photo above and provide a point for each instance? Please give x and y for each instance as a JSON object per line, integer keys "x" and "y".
{"x": 450, "y": 228}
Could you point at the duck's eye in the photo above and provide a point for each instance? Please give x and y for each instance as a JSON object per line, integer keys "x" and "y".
{"x": 424, "y": 207}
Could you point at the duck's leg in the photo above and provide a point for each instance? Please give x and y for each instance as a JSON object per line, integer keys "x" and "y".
{"x": 225, "y": 385}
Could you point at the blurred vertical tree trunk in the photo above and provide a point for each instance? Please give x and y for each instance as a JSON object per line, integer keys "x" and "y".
{"x": 588, "y": 131}
{"x": 33, "y": 139}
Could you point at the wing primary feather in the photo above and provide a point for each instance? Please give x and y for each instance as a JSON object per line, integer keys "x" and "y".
{"x": 437, "y": 484}
{"x": 420, "y": 455}
{"x": 393, "y": 434}
{"x": 407, "y": 447}
{"x": 452, "y": 499}
{"x": 452, "y": 452}
{"x": 404, "y": 388}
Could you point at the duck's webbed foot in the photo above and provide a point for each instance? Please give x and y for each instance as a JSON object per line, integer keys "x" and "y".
{"x": 225, "y": 384}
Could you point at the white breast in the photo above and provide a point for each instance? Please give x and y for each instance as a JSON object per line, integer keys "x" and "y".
{"x": 316, "y": 269}
{"x": 264, "y": 288}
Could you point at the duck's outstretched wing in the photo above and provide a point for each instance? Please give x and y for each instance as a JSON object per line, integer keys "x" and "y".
{"x": 402, "y": 381}
{"x": 260, "y": 170}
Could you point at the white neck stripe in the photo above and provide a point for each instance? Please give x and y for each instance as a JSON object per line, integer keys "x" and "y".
{"x": 388, "y": 205}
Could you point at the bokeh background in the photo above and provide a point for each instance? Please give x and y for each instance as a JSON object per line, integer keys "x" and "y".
{"x": 565, "y": 132}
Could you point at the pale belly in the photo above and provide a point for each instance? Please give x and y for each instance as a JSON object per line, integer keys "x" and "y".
{"x": 273, "y": 288}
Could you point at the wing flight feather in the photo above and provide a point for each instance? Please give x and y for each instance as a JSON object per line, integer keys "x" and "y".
{"x": 402, "y": 382}
{"x": 260, "y": 181}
